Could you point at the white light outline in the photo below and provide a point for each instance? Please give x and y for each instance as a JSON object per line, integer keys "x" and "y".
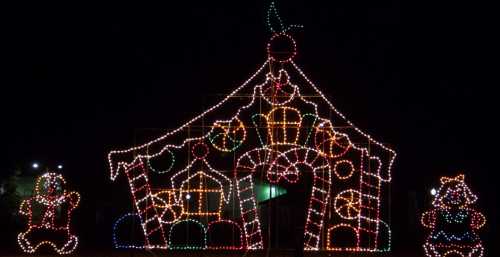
{"x": 115, "y": 166}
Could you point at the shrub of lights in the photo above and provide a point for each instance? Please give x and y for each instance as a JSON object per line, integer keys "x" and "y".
{"x": 453, "y": 222}
{"x": 275, "y": 128}
{"x": 49, "y": 216}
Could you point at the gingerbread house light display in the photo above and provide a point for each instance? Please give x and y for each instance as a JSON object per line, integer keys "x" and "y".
{"x": 195, "y": 187}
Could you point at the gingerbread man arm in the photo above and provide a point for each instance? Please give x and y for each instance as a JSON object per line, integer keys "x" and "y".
{"x": 73, "y": 199}
{"x": 478, "y": 220}
{"x": 25, "y": 208}
{"x": 428, "y": 219}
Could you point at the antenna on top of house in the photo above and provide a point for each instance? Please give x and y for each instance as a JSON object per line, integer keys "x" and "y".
{"x": 274, "y": 22}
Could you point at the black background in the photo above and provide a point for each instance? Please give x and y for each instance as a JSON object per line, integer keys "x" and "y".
{"x": 81, "y": 79}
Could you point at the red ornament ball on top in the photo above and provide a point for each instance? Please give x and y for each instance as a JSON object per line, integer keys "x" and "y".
{"x": 281, "y": 48}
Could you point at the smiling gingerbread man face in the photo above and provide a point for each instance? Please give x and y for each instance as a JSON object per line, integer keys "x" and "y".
{"x": 50, "y": 186}
{"x": 454, "y": 193}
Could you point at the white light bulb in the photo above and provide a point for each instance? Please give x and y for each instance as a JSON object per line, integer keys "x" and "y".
{"x": 35, "y": 165}
{"x": 433, "y": 191}
{"x": 188, "y": 196}
{"x": 59, "y": 166}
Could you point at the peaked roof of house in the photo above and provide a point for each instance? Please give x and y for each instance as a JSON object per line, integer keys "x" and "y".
{"x": 118, "y": 159}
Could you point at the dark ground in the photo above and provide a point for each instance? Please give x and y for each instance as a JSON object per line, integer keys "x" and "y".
{"x": 219, "y": 254}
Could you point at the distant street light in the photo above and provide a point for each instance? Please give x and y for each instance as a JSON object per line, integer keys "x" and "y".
{"x": 59, "y": 167}
{"x": 433, "y": 191}
{"x": 35, "y": 165}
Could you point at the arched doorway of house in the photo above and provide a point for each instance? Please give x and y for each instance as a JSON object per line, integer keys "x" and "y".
{"x": 298, "y": 185}
{"x": 283, "y": 210}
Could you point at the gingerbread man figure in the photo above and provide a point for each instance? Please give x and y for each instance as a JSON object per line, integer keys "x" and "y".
{"x": 453, "y": 221}
{"x": 49, "y": 216}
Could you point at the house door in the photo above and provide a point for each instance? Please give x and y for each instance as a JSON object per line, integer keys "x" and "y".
{"x": 283, "y": 211}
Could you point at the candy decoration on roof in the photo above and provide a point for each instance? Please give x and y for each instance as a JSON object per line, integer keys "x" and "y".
{"x": 49, "y": 216}
{"x": 276, "y": 128}
{"x": 453, "y": 222}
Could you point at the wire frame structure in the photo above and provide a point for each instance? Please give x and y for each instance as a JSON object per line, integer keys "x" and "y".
{"x": 212, "y": 182}
{"x": 49, "y": 213}
{"x": 453, "y": 222}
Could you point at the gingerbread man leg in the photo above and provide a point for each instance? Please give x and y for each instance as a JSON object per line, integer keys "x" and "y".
{"x": 431, "y": 250}
{"x": 70, "y": 245}
{"x": 25, "y": 243}
{"x": 476, "y": 251}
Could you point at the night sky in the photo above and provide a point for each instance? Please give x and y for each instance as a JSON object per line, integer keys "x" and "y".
{"x": 79, "y": 80}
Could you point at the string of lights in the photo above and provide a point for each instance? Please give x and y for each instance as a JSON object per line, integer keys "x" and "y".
{"x": 453, "y": 222}
{"x": 199, "y": 228}
{"x": 234, "y": 228}
{"x": 50, "y": 198}
{"x": 287, "y": 134}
